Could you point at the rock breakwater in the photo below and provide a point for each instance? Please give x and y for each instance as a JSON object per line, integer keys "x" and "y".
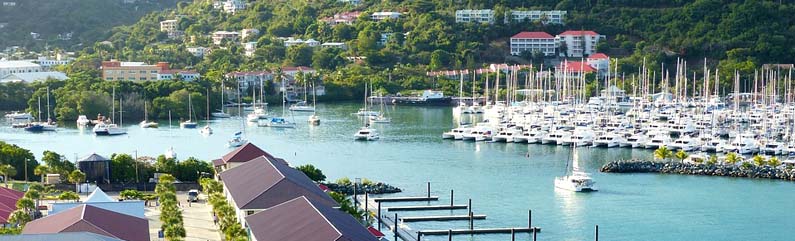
{"x": 726, "y": 170}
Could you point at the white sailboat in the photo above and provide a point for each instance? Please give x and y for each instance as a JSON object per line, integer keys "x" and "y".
{"x": 382, "y": 117}
{"x": 237, "y": 139}
{"x": 280, "y": 122}
{"x": 303, "y": 106}
{"x": 207, "y": 130}
{"x": 220, "y": 113}
{"x": 577, "y": 180}
{"x": 314, "y": 119}
{"x": 366, "y": 133}
{"x": 146, "y": 123}
{"x": 189, "y": 123}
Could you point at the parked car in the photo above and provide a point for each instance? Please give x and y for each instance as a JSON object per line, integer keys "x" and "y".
{"x": 193, "y": 195}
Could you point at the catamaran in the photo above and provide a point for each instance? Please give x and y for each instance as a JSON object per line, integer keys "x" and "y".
{"x": 576, "y": 180}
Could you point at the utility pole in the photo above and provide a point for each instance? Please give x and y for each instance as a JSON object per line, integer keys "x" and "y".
{"x": 135, "y": 162}
{"x": 26, "y": 170}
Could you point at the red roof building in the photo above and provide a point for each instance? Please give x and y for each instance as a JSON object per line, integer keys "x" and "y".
{"x": 300, "y": 219}
{"x": 8, "y": 202}
{"x": 532, "y": 42}
{"x": 579, "y": 33}
{"x": 87, "y": 218}
{"x": 576, "y": 67}
{"x": 598, "y": 56}
{"x": 579, "y": 43}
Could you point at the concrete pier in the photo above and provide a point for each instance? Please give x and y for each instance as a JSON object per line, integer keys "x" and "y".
{"x": 442, "y": 218}
{"x": 480, "y": 231}
{"x": 426, "y": 208}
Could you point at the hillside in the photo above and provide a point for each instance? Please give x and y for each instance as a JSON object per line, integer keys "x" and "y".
{"x": 88, "y": 21}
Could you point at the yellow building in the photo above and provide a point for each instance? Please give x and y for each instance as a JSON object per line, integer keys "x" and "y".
{"x": 131, "y": 71}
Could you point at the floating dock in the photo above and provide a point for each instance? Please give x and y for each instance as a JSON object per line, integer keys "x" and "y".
{"x": 405, "y": 199}
{"x": 426, "y": 208}
{"x": 480, "y": 231}
{"x": 442, "y": 218}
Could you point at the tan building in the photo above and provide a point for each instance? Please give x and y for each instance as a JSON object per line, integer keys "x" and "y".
{"x": 132, "y": 71}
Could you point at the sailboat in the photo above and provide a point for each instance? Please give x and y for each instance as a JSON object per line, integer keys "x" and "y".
{"x": 237, "y": 139}
{"x": 106, "y": 127}
{"x": 366, "y": 133}
{"x": 220, "y": 113}
{"x": 302, "y": 106}
{"x": 146, "y": 123}
{"x": 189, "y": 124}
{"x": 43, "y": 126}
{"x": 382, "y": 116}
{"x": 577, "y": 180}
{"x": 314, "y": 119}
{"x": 260, "y": 110}
{"x": 206, "y": 130}
{"x": 280, "y": 122}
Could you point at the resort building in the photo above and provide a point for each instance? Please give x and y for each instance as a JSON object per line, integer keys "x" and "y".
{"x": 533, "y": 42}
{"x": 600, "y": 62}
{"x": 264, "y": 182}
{"x": 92, "y": 219}
{"x": 18, "y": 66}
{"x": 220, "y": 36}
{"x": 140, "y": 71}
{"x": 234, "y": 6}
{"x": 579, "y": 44}
{"x": 342, "y": 18}
{"x": 248, "y": 79}
{"x": 474, "y": 16}
{"x": 300, "y": 214}
{"x": 168, "y": 25}
{"x": 378, "y": 16}
{"x": 545, "y": 17}
{"x": 293, "y": 41}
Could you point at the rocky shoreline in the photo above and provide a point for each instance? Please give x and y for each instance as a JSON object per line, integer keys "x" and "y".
{"x": 375, "y": 188}
{"x": 640, "y": 166}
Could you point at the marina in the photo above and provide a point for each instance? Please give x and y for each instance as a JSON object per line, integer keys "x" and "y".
{"x": 482, "y": 171}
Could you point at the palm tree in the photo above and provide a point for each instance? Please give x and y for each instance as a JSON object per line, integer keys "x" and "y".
{"x": 7, "y": 170}
{"x": 663, "y": 153}
{"x": 19, "y": 218}
{"x": 732, "y": 158}
{"x": 773, "y": 162}
{"x": 759, "y": 160}
{"x": 77, "y": 177}
{"x": 681, "y": 155}
{"x": 713, "y": 159}
{"x": 41, "y": 170}
{"x": 26, "y": 204}
{"x": 68, "y": 195}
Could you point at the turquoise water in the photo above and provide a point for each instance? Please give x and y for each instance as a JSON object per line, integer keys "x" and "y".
{"x": 501, "y": 179}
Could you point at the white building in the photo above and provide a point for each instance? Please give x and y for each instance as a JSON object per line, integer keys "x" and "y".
{"x": 250, "y": 78}
{"x": 233, "y": 6}
{"x": 546, "y": 17}
{"x": 13, "y": 67}
{"x": 579, "y": 44}
{"x": 169, "y": 74}
{"x": 474, "y": 16}
{"x": 293, "y": 41}
{"x": 249, "y": 32}
{"x": 49, "y": 63}
{"x": 198, "y": 51}
{"x": 168, "y": 25}
{"x": 533, "y": 42}
{"x": 378, "y": 16}
{"x": 219, "y": 36}
{"x": 334, "y": 45}
{"x": 600, "y": 61}
{"x": 250, "y": 47}
{"x": 31, "y": 77}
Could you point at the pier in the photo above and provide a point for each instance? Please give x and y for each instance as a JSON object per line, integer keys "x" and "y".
{"x": 393, "y": 221}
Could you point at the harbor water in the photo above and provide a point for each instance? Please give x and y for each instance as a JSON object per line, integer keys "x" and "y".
{"x": 503, "y": 180}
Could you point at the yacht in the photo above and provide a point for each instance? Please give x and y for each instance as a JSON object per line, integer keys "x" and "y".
{"x": 220, "y": 113}
{"x": 685, "y": 143}
{"x": 507, "y": 135}
{"x": 237, "y": 140}
{"x": 657, "y": 141}
{"x": 189, "y": 123}
{"x": 257, "y": 114}
{"x": 580, "y": 137}
{"x": 277, "y": 122}
{"x": 365, "y": 112}
{"x": 577, "y": 180}
{"x": 608, "y": 140}
{"x": 108, "y": 129}
{"x": 742, "y": 145}
{"x": 379, "y": 119}
{"x": 535, "y": 136}
{"x": 302, "y": 106}
{"x": 456, "y": 133}
{"x": 555, "y": 137}
{"x": 82, "y": 121}
{"x": 366, "y": 134}
{"x": 146, "y": 123}
{"x": 19, "y": 116}
{"x": 714, "y": 144}
{"x": 773, "y": 148}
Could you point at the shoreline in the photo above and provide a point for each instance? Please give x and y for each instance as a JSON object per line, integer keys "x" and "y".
{"x": 723, "y": 170}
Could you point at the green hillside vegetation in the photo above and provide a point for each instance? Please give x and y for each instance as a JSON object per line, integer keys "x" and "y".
{"x": 89, "y": 20}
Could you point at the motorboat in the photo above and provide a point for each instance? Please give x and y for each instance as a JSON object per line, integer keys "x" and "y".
{"x": 507, "y": 135}
{"x": 576, "y": 180}
{"x": 365, "y": 112}
{"x": 535, "y": 136}
{"x": 257, "y": 114}
{"x": 657, "y": 141}
{"x": 580, "y": 137}
{"x": 555, "y": 137}
{"x": 742, "y": 145}
{"x": 380, "y": 119}
{"x": 278, "y": 122}
{"x": 108, "y": 129}
{"x": 82, "y": 121}
{"x": 685, "y": 143}
{"x": 19, "y": 116}
{"x": 366, "y": 134}
{"x": 714, "y": 144}
{"x": 220, "y": 114}
{"x": 314, "y": 120}
{"x": 773, "y": 148}
{"x": 608, "y": 140}
{"x": 456, "y": 133}
{"x": 188, "y": 124}
{"x": 206, "y": 130}
{"x": 148, "y": 124}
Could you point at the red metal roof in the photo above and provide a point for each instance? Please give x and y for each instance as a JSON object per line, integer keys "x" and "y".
{"x": 8, "y": 202}
{"x": 598, "y": 56}
{"x": 542, "y": 35}
{"x": 245, "y": 153}
{"x": 300, "y": 219}
{"x": 579, "y": 33}
{"x": 576, "y": 66}
{"x": 375, "y": 232}
{"x": 87, "y": 218}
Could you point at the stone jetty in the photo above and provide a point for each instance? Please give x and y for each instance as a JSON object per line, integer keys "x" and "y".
{"x": 375, "y": 188}
{"x": 726, "y": 170}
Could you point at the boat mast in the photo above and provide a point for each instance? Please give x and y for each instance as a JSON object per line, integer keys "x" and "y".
{"x": 48, "y": 104}
{"x": 113, "y": 106}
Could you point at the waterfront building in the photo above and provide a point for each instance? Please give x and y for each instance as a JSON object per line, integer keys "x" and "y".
{"x": 32, "y": 77}
{"x": 342, "y": 18}
{"x": 540, "y": 42}
{"x": 265, "y": 182}
{"x": 219, "y": 36}
{"x": 88, "y": 218}
{"x": 573, "y": 69}
{"x": 18, "y": 66}
{"x": 474, "y": 16}
{"x": 248, "y": 79}
{"x": 545, "y": 17}
{"x": 300, "y": 214}
{"x": 579, "y": 44}
{"x": 378, "y": 16}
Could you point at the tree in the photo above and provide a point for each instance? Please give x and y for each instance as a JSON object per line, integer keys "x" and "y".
{"x": 713, "y": 159}
{"x": 19, "y": 218}
{"x": 191, "y": 169}
{"x": 774, "y": 162}
{"x": 122, "y": 168}
{"x": 41, "y": 170}
{"x": 759, "y": 160}
{"x": 130, "y": 194}
{"x": 68, "y": 195}
{"x": 165, "y": 165}
{"x": 312, "y": 172}
{"x": 299, "y": 55}
{"x": 663, "y": 153}
{"x": 77, "y": 177}
{"x": 732, "y": 158}
{"x": 7, "y": 170}
{"x": 26, "y": 204}
{"x": 681, "y": 155}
